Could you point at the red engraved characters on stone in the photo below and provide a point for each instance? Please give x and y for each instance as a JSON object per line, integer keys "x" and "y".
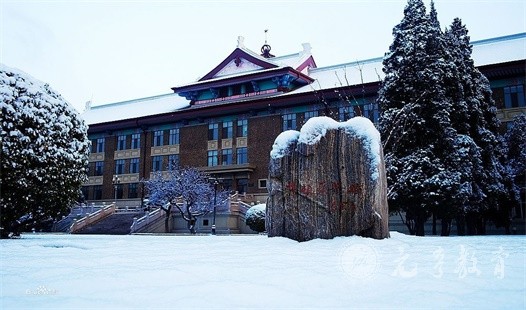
{"x": 355, "y": 188}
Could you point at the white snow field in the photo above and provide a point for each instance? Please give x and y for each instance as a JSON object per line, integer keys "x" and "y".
{"x": 229, "y": 272}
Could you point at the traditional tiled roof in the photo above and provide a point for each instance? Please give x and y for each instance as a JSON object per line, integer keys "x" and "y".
{"x": 485, "y": 52}
{"x": 134, "y": 108}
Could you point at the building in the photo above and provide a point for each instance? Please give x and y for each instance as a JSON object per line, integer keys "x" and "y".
{"x": 226, "y": 122}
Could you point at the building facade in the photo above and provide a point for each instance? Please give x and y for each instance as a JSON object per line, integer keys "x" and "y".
{"x": 226, "y": 122}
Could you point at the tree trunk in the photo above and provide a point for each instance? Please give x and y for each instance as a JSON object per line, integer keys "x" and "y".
{"x": 419, "y": 226}
{"x": 410, "y": 223}
{"x": 191, "y": 226}
{"x": 461, "y": 224}
{"x": 167, "y": 219}
{"x": 435, "y": 224}
{"x": 446, "y": 227}
{"x": 481, "y": 225}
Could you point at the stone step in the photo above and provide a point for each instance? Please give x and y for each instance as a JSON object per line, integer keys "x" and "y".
{"x": 115, "y": 224}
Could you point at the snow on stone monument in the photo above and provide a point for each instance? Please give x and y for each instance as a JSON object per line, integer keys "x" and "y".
{"x": 328, "y": 180}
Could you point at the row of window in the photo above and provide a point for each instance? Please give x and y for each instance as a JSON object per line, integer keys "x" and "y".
{"x": 160, "y": 164}
{"x": 227, "y": 128}
{"x": 241, "y": 185}
{"x": 513, "y": 97}
{"x": 370, "y": 111}
{"x": 96, "y": 193}
{"x": 227, "y": 131}
{"x": 227, "y": 157}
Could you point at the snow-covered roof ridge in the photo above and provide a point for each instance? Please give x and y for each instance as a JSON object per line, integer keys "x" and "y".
{"x": 125, "y": 102}
{"x": 516, "y": 36}
{"x": 376, "y": 60}
{"x": 134, "y": 108}
{"x": 485, "y": 52}
{"x": 499, "y": 49}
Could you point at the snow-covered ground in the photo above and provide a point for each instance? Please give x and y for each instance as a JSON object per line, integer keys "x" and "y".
{"x": 198, "y": 272}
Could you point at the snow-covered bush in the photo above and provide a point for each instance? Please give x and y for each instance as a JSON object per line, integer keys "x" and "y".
{"x": 255, "y": 217}
{"x": 45, "y": 151}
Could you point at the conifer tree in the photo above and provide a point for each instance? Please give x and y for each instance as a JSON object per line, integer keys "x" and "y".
{"x": 514, "y": 152}
{"x": 474, "y": 114}
{"x": 415, "y": 123}
{"x": 438, "y": 125}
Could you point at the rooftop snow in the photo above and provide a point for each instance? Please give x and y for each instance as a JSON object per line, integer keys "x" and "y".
{"x": 134, "y": 108}
{"x": 501, "y": 49}
{"x": 485, "y": 52}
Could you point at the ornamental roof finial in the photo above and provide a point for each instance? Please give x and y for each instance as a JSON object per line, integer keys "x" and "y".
{"x": 265, "y": 49}
{"x": 240, "y": 42}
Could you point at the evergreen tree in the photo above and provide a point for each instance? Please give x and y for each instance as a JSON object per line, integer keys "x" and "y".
{"x": 415, "y": 124}
{"x": 44, "y": 152}
{"x": 474, "y": 114}
{"x": 514, "y": 152}
{"x": 439, "y": 126}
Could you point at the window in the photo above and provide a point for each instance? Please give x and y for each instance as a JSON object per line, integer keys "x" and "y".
{"x": 241, "y": 155}
{"x": 228, "y": 130}
{"x": 262, "y": 183}
{"x": 99, "y": 168}
{"x": 134, "y": 165}
{"x": 371, "y": 111}
{"x": 205, "y": 222}
{"x": 132, "y": 190}
{"x": 213, "y": 131}
{"x": 345, "y": 113}
{"x": 310, "y": 114}
{"x": 173, "y": 161}
{"x": 212, "y": 158}
{"x": 242, "y": 185}
{"x": 119, "y": 166}
{"x": 289, "y": 122}
{"x": 121, "y": 143}
{"x": 242, "y": 128}
{"x": 100, "y": 145}
{"x": 174, "y": 136}
{"x": 158, "y": 138}
{"x": 97, "y": 192}
{"x": 514, "y": 96}
{"x": 136, "y": 141}
{"x": 157, "y": 163}
{"x": 226, "y": 157}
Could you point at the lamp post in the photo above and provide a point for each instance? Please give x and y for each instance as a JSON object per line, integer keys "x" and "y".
{"x": 116, "y": 181}
{"x": 215, "y": 206}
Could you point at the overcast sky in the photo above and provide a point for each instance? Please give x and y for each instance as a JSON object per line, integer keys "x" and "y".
{"x": 109, "y": 51}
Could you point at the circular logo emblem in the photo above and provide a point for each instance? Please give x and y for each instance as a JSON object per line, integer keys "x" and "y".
{"x": 359, "y": 261}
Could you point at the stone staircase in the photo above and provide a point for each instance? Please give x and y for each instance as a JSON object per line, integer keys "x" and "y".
{"x": 114, "y": 224}
{"x": 76, "y": 213}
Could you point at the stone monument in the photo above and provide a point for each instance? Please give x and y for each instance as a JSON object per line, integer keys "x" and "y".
{"x": 328, "y": 180}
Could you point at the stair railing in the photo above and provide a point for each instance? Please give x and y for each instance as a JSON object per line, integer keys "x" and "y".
{"x": 91, "y": 218}
{"x": 147, "y": 219}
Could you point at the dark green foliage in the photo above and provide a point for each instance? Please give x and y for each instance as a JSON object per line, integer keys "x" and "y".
{"x": 44, "y": 152}
{"x": 438, "y": 125}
